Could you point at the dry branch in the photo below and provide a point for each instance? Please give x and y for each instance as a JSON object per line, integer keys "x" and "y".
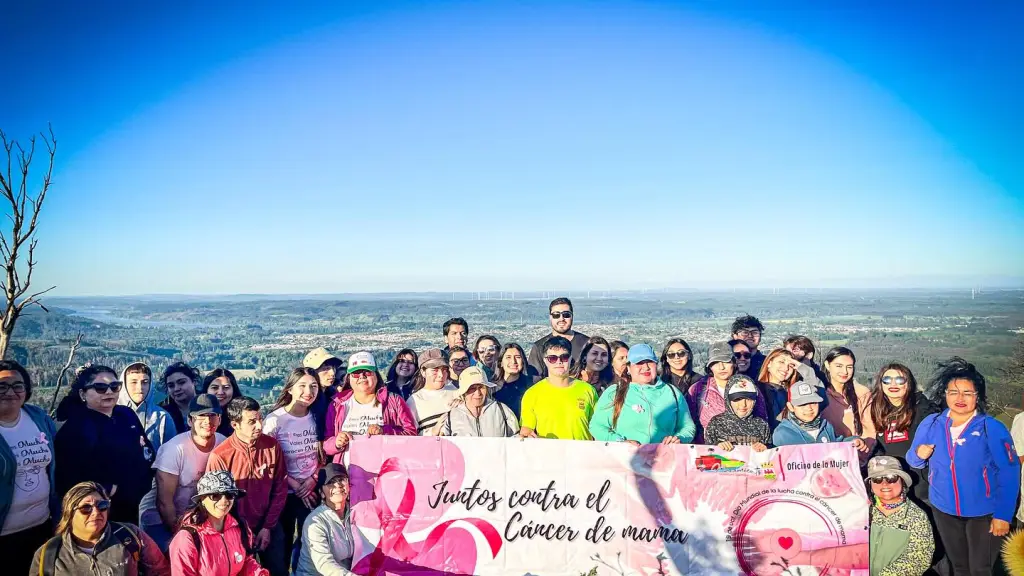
{"x": 64, "y": 371}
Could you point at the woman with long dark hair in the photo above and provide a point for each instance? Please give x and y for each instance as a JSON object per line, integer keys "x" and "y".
{"x": 89, "y": 542}
{"x": 103, "y": 442}
{"x": 896, "y": 410}
{"x": 293, "y": 424}
{"x": 677, "y": 365}
{"x": 973, "y": 470}
{"x": 485, "y": 351}
{"x": 511, "y": 377}
{"x": 779, "y": 371}
{"x": 620, "y": 357}
{"x": 180, "y": 381}
{"x": 848, "y": 402}
{"x": 595, "y": 367}
{"x": 402, "y": 372}
{"x": 365, "y": 406}
{"x": 433, "y": 392}
{"x": 222, "y": 384}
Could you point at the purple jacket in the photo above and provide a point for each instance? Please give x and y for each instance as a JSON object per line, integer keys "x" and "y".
{"x": 398, "y": 420}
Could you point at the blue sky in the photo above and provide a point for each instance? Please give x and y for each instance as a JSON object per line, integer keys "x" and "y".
{"x": 249, "y": 147}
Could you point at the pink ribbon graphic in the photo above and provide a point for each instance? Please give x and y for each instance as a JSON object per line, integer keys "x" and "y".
{"x": 396, "y": 552}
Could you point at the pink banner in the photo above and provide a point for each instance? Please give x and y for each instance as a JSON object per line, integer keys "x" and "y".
{"x": 436, "y": 506}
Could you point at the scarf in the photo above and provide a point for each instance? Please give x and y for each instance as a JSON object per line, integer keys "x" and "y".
{"x": 812, "y": 426}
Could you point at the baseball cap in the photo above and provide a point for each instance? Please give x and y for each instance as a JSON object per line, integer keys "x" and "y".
{"x": 316, "y": 358}
{"x": 329, "y": 472}
{"x": 432, "y": 358}
{"x": 362, "y": 361}
{"x": 204, "y": 404}
{"x": 641, "y": 353}
{"x": 719, "y": 352}
{"x": 471, "y": 377}
{"x": 803, "y": 393}
{"x": 886, "y": 466}
{"x": 739, "y": 387}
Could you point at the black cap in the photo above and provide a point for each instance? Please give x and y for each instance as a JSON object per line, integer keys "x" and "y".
{"x": 329, "y": 472}
{"x": 204, "y": 404}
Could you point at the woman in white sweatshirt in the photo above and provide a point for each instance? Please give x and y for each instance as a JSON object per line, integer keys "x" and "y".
{"x": 432, "y": 393}
{"x": 327, "y": 535}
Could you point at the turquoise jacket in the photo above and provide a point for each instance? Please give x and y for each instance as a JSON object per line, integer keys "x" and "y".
{"x": 650, "y": 413}
{"x": 9, "y": 468}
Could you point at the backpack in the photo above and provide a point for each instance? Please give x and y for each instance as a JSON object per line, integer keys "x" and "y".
{"x": 121, "y": 532}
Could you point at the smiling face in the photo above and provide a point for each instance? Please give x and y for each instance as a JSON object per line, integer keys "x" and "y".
{"x": 221, "y": 388}
{"x": 363, "y": 382}
{"x": 560, "y": 317}
{"x": 458, "y": 362}
{"x": 218, "y": 505}
{"x": 961, "y": 397}
{"x": 204, "y": 426}
{"x": 741, "y": 354}
{"x": 677, "y": 356}
{"x": 597, "y": 359}
{"x": 335, "y": 493}
{"x": 476, "y": 396}
{"x": 840, "y": 370}
{"x": 512, "y": 362}
{"x": 752, "y": 336}
{"x": 806, "y": 413}
{"x": 180, "y": 388}
{"x": 643, "y": 372}
{"x": 888, "y": 492}
{"x": 101, "y": 401}
{"x": 13, "y": 398}
{"x": 406, "y": 366}
{"x": 304, "y": 391}
{"x": 895, "y": 386}
{"x": 487, "y": 351}
{"x": 780, "y": 369}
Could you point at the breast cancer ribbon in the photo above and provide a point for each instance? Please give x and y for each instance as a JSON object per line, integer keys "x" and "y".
{"x": 394, "y": 545}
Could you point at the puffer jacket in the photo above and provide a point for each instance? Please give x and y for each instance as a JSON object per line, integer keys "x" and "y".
{"x": 219, "y": 553}
{"x": 496, "y": 421}
{"x": 157, "y": 422}
{"x": 112, "y": 556}
{"x": 728, "y": 427}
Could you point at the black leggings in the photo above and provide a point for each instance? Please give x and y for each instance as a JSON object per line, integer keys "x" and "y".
{"x": 969, "y": 546}
{"x": 292, "y": 518}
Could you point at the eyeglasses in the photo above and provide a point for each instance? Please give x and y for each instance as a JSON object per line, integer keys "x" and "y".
{"x": 956, "y": 393}
{"x": 898, "y": 380}
{"x": 460, "y": 361}
{"x": 487, "y": 349}
{"x": 16, "y": 388}
{"x": 560, "y": 359}
{"x": 748, "y": 333}
{"x": 676, "y": 355}
{"x": 741, "y": 355}
{"x": 890, "y": 479}
{"x": 101, "y": 506}
{"x": 217, "y": 497}
{"x": 101, "y": 388}
{"x": 563, "y": 315}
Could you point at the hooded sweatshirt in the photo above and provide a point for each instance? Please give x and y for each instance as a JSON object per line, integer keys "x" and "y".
{"x": 741, "y": 431}
{"x": 157, "y": 422}
{"x": 649, "y": 414}
{"x": 706, "y": 402}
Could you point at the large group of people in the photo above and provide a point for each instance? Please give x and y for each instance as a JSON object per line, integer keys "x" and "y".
{"x": 206, "y": 483}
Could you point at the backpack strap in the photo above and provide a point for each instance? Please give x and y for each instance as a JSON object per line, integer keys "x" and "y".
{"x": 196, "y": 540}
{"x": 48, "y": 556}
{"x": 127, "y": 537}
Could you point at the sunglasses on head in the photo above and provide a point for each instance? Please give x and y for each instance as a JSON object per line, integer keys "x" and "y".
{"x": 890, "y": 479}
{"x": 741, "y": 355}
{"x": 102, "y": 388}
{"x": 86, "y": 509}
{"x": 553, "y": 359}
{"x": 217, "y": 497}
{"x": 564, "y": 315}
{"x": 898, "y": 380}
{"x": 676, "y": 355}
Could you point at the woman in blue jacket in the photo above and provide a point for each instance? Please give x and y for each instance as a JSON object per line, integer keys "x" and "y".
{"x": 973, "y": 469}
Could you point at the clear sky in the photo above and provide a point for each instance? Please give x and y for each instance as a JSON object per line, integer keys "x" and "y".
{"x": 255, "y": 147}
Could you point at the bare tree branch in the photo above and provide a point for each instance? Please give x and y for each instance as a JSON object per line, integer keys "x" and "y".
{"x": 64, "y": 370}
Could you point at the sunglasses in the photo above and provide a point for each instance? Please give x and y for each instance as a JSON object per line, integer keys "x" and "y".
{"x": 217, "y": 497}
{"x": 561, "y": 358}
{"x": 101, "y": 506}
{"x": 104, "y": 388}
{"x": 741, "y": 355}
{"x": 360, "y": 374}
{"x": 563, "y": 315}
{"x": 898, "y": 380}
{"x": 676, "y": 355}
{"x": 460, "y": 361}
{"x": 891, "y": 479}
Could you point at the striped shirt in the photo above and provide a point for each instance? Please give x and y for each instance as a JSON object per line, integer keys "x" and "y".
{"x": 428, "y": 406}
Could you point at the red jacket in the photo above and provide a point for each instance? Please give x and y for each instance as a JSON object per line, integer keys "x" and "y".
{"x": 398, "y": 420}
{"x": 220, "y": 554}
{"x": 258, "y": 469}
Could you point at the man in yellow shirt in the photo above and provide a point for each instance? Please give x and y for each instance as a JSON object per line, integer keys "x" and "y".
{"x": 558, "y": 406}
